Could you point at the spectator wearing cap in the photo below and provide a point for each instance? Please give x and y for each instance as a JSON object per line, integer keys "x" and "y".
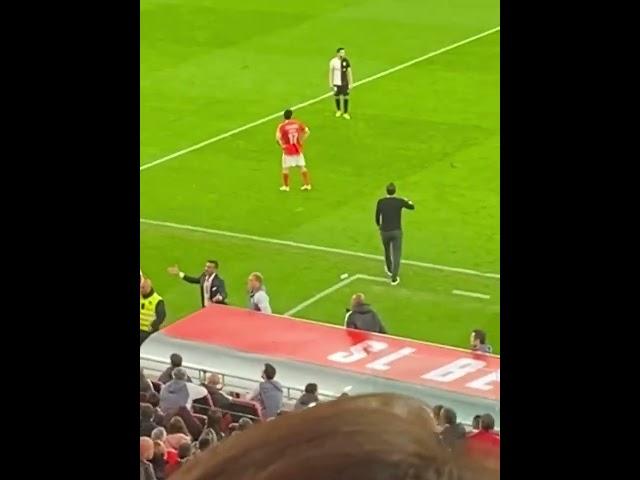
{"x": 176, "y": 361}
{"x": 452, "y": 433}
{"x": 484, "y": 445}
{"x": 309, "y": 396}
{"x": 214, "y": 386}
{"x": 479, "y": 341}
{"x": 147, "y": 424}
{"x": 258, "y": 298}
{"x": 362, "y": 317}
{"x": 146, "y": 454}
{"x": 269, "y": 392}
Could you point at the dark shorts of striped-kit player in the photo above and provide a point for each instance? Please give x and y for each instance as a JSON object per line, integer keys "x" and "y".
{"x": 341, "y": 90}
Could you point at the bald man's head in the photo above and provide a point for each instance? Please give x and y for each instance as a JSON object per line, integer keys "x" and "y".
{"x": 146, "y": 448}
{"x": 145, "y": 286}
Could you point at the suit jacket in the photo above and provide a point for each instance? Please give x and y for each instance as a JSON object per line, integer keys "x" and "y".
{"x": 217, "y": 287}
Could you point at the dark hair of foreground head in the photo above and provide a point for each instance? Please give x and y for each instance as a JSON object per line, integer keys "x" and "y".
{"x": 368, "y": 437}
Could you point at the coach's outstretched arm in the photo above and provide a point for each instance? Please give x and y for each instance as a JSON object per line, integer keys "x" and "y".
{"x": 175, "y": 270}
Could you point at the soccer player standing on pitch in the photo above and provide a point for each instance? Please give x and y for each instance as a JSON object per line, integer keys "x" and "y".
{"x": 340, "y": 80}
{"x": 290, "y": 135}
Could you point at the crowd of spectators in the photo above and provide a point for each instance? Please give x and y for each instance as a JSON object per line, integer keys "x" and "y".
{"x": 177, "y": 426}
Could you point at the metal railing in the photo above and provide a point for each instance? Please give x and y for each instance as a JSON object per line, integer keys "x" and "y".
{"x": 234, "y": 382}
{"x": 231, "y": 382}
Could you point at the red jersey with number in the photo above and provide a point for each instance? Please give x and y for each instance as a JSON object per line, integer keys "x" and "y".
{"x": 290, "y": 133}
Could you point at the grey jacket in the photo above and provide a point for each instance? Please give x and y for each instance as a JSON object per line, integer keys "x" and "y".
{"x": 269, "y": 395}
{"x": 362, "y": 317}
{"x": 173, "y": 396}
{"x": 146, "y": 471}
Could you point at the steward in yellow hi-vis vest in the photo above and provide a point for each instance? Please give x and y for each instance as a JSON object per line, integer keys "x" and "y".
{"x": 152, "y": 310}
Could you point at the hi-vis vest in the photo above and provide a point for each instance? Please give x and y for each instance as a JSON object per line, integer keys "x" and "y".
{"x": 148, "y": 311}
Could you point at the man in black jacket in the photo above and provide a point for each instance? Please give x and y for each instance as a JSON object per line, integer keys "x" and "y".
{"x": 389, "y": 221}
{"x": 212, "y": 287}
{"x": 362, "y": 317}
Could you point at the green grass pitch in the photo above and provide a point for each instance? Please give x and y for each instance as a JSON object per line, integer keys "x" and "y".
{"x": 209, "y": 67}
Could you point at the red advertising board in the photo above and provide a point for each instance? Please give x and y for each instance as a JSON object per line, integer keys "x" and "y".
{"x": 386, "y": 356}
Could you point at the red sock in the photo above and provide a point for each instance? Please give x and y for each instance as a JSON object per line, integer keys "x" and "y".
{"x": 305, "y": 177}
{"x": 285, "y": 179}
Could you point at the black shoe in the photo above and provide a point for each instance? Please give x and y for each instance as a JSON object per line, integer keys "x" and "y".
{"x": 395, "y": 281}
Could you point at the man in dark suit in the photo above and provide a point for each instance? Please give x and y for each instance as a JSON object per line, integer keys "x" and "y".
{"x": 212, "y": 288}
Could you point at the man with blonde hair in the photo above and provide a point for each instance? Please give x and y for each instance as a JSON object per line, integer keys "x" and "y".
{"x": 258, "y": 298}
{"x": 362, "y": 317}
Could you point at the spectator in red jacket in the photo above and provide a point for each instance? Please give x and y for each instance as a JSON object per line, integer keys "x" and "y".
{"x": 185, "y": 451}
{"x": 484, "y": 445}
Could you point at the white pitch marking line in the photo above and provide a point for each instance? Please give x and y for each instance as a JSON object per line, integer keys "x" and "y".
{"x": 288, "y": 243}
{"x": 384, "y": 73}
{"x": 471, "y": 294}
{"x": 320, "y": 295}
{"x": 332, "y": 289}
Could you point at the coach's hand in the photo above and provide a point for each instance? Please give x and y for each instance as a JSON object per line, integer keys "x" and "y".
{"x": 174, "y": 270}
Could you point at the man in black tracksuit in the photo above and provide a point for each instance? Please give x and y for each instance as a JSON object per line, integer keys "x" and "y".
{"x": 389, "y": 221}
{"x": 362, "y": 317}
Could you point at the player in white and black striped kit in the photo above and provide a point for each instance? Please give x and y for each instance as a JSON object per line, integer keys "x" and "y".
{"x": 340, "y": 80}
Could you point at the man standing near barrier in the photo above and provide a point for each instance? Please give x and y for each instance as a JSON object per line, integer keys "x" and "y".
{"x": 152, "y": 310}
{"x": 212, "y": 287}
{"x": 258, "y": 298}
{"x": 389, "y": 221}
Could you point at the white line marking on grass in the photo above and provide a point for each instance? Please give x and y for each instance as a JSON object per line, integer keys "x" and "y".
{"x": 288, "y": 243}
{"x": 471, "y": 294}
{"x": 330, "y": 290}
{"x": 384, "y": 73}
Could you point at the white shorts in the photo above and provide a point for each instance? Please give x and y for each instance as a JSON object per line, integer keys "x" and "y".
{"x": 289, "y": 161}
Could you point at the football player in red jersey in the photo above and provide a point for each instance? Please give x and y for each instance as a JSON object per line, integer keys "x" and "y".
{"x": 290, "y": 135}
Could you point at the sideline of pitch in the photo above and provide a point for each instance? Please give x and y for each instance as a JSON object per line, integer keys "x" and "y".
{"x": 319, "y": 248}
